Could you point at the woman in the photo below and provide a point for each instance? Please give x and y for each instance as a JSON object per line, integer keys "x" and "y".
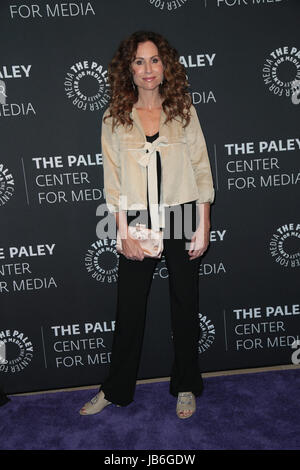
{"x": 151, "y": 113}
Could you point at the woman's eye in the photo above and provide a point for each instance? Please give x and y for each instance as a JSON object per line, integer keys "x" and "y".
{"x": 156, "y": 60}
{"x": 138, "y": 62}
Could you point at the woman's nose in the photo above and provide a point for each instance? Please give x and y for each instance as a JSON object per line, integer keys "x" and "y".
{"x": 148, "y": 67}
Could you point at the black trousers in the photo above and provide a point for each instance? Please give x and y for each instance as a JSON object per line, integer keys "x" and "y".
{"x": 134, "y": 282}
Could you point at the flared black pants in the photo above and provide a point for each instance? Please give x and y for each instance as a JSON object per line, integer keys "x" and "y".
{"x": 134, "y": 282}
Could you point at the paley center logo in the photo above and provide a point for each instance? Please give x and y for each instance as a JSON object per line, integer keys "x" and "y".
{"x": 86, "y": 85}
{"x": 167, "y": 5}
{"x": 207, "y": 333}
{"x": 281, "y": 71}
{"x": 16, "y": 351}
{"x": 7, "y": 185}
{"x": 284, "y": 245}
{"x": 101, "y": 260}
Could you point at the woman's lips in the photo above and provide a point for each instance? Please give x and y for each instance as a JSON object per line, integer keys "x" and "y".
{"x": 149, "y": 79}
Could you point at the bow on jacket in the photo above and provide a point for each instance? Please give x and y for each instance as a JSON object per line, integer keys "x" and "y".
{"x": 148, "y": 159}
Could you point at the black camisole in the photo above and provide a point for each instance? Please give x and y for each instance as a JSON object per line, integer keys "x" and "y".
{"x": 144, "y": 215}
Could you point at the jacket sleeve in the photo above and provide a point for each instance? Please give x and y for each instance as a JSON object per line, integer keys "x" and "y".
{"x": 199, "y": 159}
{"x": 111, "y": 165}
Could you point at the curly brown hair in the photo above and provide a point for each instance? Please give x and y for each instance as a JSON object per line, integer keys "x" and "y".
{"x": 173, "y": 90}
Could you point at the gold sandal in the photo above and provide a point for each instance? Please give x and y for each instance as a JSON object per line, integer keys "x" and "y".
{"x": 96, "y": 405}
{"x": 186, "y": 401}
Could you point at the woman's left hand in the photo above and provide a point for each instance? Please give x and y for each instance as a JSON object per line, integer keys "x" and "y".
{"x": 199, "y": 241}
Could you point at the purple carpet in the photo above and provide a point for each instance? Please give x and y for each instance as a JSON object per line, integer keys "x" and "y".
{"x": 258, "y": 411}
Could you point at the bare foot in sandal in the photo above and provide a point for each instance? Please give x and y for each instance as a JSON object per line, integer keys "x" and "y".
{"x": 95, "y": 405}
{"x": 186, "y": 405}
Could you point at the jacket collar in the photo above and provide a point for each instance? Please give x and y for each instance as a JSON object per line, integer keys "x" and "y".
{"x": 135, "y": 117}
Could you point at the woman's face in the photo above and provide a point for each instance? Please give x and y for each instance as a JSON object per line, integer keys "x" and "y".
{"x": 147, "y": 67}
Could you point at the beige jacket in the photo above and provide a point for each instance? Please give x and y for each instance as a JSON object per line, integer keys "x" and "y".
{"x": 185, "y": 167}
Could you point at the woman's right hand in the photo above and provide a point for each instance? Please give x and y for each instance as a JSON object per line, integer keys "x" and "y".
{"x": 131, "y": 248}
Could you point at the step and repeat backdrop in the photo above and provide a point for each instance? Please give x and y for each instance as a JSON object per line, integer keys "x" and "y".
{"x": 58, "y": 279}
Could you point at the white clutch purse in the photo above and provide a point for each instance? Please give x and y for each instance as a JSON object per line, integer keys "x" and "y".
{"x": 150, "y": 241}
